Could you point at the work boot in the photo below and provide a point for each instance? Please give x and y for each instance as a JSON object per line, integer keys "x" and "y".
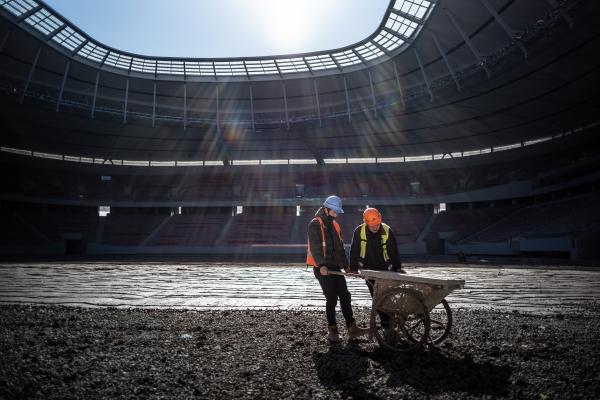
{"x": 355, "y": 331}
{"x": 333, "y": 335}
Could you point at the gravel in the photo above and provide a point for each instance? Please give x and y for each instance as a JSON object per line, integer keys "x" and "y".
{"x": 61, "y": 352}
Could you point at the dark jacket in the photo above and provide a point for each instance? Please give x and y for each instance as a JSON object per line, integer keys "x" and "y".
{"x": 374, "y": 254}
{"x": 335, "y": 254}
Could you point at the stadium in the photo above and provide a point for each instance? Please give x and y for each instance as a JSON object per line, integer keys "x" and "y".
{"x": 471, "y": 126}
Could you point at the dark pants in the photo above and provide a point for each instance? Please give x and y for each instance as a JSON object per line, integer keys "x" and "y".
{"x": 334, "y": 286}
{"x": 383, "y": 317}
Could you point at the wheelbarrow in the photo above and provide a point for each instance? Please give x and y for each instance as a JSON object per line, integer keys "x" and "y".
{"x": 416, "y": 309}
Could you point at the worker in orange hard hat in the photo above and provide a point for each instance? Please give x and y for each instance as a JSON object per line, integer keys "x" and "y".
{"x": 374, "y": 247}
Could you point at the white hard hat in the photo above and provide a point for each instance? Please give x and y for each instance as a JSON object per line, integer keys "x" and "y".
{"x": 335, "y": 203}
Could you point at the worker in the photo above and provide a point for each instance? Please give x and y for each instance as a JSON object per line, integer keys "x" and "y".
{"x": 374, "y": 247}
{"x": 326, "y": 254}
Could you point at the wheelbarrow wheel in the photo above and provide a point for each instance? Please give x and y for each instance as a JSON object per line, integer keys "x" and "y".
{"x": 440, "y": 318}
{"x": 408, "y": 325}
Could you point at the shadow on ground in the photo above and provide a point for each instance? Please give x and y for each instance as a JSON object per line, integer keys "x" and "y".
{"x": 341, "y": 368}
{"x": 359, "y": 372}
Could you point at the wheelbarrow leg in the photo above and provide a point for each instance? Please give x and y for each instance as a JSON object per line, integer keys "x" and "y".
{"x": 373, "y": 322}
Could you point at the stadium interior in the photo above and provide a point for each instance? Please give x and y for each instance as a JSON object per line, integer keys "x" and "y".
{"x": 472, "y": 129}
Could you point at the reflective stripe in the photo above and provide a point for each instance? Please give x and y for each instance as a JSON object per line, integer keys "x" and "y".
{"x": 384, "y": 238}
{"x": 309, "y": 258}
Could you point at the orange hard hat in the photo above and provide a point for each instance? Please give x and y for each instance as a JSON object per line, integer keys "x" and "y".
{"x": 372, "y": 216}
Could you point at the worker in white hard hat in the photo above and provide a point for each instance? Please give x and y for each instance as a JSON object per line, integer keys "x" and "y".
{"x": 326, "y": 254}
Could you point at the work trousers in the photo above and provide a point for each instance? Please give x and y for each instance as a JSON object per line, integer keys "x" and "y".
{"x": 334, "y": 286}
{"x": 383, "y": 317}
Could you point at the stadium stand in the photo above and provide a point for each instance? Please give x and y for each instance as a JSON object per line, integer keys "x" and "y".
{"x": 567, "y": 216}
{"x": 191, "y": 230}
{"x": 129, "y": 230}
{"x": 459, "y": 224}
{"x": 505, "y": 137}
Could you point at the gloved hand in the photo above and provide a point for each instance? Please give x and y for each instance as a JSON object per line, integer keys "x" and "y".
{"x": 324, "y": 270}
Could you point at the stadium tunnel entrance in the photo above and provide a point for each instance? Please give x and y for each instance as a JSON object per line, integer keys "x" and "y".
{"x": 75, "y": 245}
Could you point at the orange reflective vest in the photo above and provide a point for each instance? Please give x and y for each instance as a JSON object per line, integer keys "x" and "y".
{"x": 309, "y": 258}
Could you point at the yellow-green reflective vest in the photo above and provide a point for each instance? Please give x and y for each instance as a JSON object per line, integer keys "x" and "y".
{"x": 384, "y": 239}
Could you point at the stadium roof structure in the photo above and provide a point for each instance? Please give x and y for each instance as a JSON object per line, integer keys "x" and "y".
{"x": 436, "y": 77}
{"x": 401, "y": 24}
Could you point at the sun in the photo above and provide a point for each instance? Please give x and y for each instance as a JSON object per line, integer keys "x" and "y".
{"x": 286, "y": 22}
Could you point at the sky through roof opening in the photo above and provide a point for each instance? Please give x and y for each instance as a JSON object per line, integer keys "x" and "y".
{"x": 224, "y": 28}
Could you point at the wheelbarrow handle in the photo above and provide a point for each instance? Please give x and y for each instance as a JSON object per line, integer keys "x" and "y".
{"x": 341, "y": 273}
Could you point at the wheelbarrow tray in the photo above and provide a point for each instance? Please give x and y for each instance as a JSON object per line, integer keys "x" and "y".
{"x": 431, "y": 290}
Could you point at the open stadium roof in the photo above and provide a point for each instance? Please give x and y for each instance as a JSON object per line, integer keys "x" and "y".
{"x": 224, "y": 28}
{"x": 400, "y": 26}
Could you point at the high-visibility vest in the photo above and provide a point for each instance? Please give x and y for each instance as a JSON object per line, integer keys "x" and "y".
{"x": 309, "y": 258}
{"x": 363, "y": 242}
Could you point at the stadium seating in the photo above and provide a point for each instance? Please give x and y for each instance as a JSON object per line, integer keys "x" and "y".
{"x": 468, "y": 221}
{"x": 264, "y": 229}
{"x": 16, "y": 231}
{"x": 277, "y": 226}
{"x": 567, "y": 216}
{"x": 191, "y": 230}
{"x": 129, "y": 230}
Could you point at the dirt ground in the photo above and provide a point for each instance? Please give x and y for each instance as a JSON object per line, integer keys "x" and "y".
{"x": 60, "y": 352}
